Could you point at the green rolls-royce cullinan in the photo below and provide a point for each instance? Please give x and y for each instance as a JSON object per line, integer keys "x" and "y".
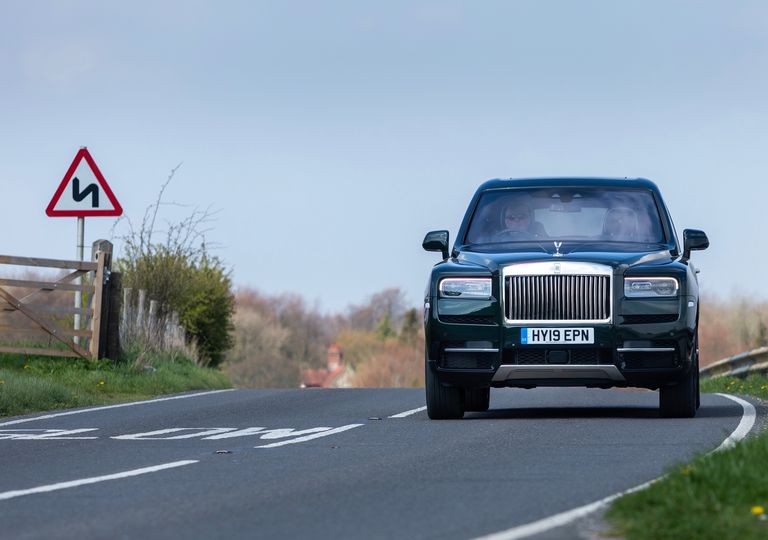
{"x": 562, "y": 282}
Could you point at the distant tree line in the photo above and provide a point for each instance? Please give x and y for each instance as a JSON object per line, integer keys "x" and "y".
{"x": 276, "y": 337}
{"x": 729, "y": 327}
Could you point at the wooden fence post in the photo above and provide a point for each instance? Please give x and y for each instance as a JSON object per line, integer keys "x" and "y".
{"x": 112, "y": 348}
{"x": 102, "y": 256}
{"x": 152, "y": 324}
{"x": 140, "y": 322}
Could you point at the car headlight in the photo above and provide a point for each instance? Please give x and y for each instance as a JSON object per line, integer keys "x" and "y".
{"x": 650, "y": 287}
{"x": 465, "y": 288}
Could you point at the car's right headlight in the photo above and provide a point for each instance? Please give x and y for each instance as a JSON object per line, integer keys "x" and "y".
{"x": 465, "y": 288}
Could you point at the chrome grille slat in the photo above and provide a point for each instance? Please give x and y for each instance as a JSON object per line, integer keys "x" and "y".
{"x": 558, "y": 297}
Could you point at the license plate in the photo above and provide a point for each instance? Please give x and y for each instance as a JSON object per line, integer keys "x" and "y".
{"x": 556, "y": 336}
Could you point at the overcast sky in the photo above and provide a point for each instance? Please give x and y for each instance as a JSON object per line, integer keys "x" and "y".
{"x": 331, "y": 136}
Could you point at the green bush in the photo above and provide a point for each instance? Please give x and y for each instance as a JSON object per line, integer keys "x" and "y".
{"x": 206, "y": 310}
{"x": 194, "y": 285}
{"x": 181, "y": 276}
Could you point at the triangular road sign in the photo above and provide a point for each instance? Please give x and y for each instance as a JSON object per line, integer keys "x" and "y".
{"x": 83, "y": 191}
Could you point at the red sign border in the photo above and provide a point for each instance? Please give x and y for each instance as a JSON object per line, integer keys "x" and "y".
{"x": 83, "y": 153}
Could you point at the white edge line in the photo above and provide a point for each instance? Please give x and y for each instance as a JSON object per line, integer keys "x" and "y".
{"x": 310, "y": 437}
{"x": 107, "y": 407}
{"x": 94, "y": 480}
{"x": 407, "y": 413}
{"x": 558, "y": 520}
{"x": 745, "y": 425}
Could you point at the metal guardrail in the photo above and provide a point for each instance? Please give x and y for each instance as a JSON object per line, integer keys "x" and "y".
{"x": 741, "y": 365}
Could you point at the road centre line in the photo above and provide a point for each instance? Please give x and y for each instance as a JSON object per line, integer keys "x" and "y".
{"x": 93, "y": 480}
{"x": 564, "y": 518}
{"x": 107, "y": 407}
{"x": 407, "y": 413}
{"x": 310, "y": 437}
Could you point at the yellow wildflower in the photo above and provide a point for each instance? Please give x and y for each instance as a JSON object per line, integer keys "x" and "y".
{"x": 758, "y": 510}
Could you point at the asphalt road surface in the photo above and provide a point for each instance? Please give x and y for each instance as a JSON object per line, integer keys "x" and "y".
{"x": 355, "y": 463}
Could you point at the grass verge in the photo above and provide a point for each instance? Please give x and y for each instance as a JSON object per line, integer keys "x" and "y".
{"x": 33, "y": 384}
{"x": 715, "y": 496}
{"x": 754, "y": 385}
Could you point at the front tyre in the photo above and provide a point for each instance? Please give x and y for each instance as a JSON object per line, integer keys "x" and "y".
{"x": 443, "y": 402}
{"x": 682, "y": 400}
{"x": 477, "y": 399}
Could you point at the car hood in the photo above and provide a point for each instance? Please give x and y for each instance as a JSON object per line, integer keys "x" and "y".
{"x": 616, "y": 259}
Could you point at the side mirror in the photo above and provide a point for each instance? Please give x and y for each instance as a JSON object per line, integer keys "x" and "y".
{"x": 693, "y": 239}
{"x": 436, "y": 241}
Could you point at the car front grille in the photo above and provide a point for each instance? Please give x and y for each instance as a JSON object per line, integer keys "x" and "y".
{"x": 558, "y": 297}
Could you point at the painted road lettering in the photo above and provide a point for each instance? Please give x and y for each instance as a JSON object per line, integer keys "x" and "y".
{"x": 287, "y": 435}
{"x": 165, "y": 434}
{"x": 212, "y": 434}
{"x": 44, "y": 434}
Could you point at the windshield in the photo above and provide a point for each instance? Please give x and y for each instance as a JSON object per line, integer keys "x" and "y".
{"x": 572, "y": 213}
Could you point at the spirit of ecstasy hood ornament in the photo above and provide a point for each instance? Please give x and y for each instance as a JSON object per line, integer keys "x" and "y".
{"x": 557, "y": 249}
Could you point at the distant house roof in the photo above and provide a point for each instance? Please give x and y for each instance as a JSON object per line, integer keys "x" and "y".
{"x": 325, "y": 377}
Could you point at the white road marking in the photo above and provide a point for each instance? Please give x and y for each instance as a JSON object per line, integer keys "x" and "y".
{"x": 93, "y": 480}
{"x": 290, "y": 432}
{"x": 244, "y": 432}
{"x": 310, "y": 437}
{"x": 156, "y": 435}
{"x": 564, "y": 518}
{"x": 744, "y": 427}
{"x": 212, "y": 434}
{"x": 44, "y": 434}
{"x": 171, "y": 434}
{"x": 107, "y": 407}
{"x": 407, "y": 413}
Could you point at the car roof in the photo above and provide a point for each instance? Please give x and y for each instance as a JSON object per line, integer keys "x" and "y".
{"x": 570, "y": 181}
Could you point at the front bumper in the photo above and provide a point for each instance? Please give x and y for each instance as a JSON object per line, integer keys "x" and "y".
{"x": 646, "y": 355}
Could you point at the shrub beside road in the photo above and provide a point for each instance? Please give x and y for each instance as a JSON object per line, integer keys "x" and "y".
{"x": 715, "y": 496}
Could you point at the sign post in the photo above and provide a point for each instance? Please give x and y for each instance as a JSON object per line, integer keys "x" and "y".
{"x": 83, "y": 192}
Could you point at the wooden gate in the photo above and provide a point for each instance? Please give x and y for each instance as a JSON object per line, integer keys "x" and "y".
{"x": 36, "y": 314}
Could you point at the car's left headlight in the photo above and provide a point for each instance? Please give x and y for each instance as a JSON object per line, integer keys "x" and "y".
{"x": 465, "y": 288}
{"x": 650, "y": 287}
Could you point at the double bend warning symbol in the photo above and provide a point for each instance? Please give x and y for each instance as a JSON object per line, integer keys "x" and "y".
{"x": 83, "y": 191}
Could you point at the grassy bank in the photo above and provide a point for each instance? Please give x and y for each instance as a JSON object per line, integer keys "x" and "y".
{"x": 754, "y": 385}
{"x": 715, "y": 496}
{"x": 32, "y": 384}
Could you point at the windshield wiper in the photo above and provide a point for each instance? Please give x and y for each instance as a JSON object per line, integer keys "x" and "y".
{"x": 583, "y": 247}
{"x": 495, "y": 245}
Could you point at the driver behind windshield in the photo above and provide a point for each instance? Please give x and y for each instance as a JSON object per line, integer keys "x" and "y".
{"x": 517, "y": 218}
{"x": 518, "y": 223}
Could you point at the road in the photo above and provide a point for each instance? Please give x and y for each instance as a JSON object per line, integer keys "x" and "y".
{"x": 336, "y": 463}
